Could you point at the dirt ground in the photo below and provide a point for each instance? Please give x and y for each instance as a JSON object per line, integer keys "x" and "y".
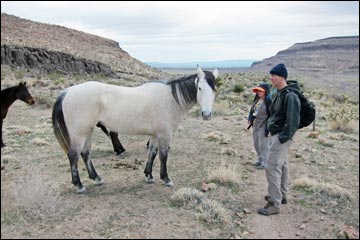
{"x": 38, "y": 172}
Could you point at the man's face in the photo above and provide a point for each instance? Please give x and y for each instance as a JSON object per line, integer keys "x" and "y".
{"x": 275, "y": 80}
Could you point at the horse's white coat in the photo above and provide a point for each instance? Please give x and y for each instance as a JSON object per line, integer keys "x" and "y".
{"x": 149, "y": 109}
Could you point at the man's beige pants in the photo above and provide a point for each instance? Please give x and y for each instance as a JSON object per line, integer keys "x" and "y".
{"x": 277, "y": 170}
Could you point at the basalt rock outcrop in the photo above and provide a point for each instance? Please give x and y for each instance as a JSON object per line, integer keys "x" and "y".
{"x": 51, "y": 61}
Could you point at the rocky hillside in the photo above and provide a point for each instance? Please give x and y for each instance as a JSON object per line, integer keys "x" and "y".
{"x": 331, "y": 62}
{"x": 85, "y": 48}
{"x": 340, "y": 54}
{"x": 46, "y": 62}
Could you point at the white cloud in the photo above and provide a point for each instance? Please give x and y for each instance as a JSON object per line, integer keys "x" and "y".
{"x": 204, "y": 31}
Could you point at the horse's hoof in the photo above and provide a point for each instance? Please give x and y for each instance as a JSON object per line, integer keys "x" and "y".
{"x": 169, "y": 184}
{"x": 81, "y": 190}
{"x": 118, "y": 152}
{"x": 150, "y": 180}
{"x": 99, "y": 181}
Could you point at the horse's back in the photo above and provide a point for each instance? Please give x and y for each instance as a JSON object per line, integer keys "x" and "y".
{"x": 131, "y": 110}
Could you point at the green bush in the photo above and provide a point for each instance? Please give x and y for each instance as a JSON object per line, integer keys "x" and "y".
{"x": 19, "y": 74}
{"x": 238, "y": 88}
{"x": 219, "y": 82}
{"x": 342, "y": 117}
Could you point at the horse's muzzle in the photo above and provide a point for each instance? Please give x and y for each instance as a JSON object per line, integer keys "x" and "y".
{"x": 31, "y": 101}
{"x": 206, "y": 115}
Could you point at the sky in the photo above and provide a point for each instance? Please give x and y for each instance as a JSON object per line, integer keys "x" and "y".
{"x": 198, "y": 31}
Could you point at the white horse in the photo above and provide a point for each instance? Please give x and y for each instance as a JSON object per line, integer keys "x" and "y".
{"x": 153, "y": 109}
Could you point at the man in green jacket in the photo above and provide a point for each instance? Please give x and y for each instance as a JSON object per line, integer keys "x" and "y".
{"x": 283, "y": 122}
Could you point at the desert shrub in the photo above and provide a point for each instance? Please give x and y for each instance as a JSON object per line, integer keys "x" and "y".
{"x": 186, "y": 195}
{"x": 44, "y": 101}
{"x": 342, "y": 98}
{"x": 209, "y": 211}
{"x": 34, "y": 197}
{"x": 55, "y": 76}
{"x": 219, "y": 82}
{"x": 19, "y": 74}
{"x": 3, "y": 75}
{"x": 342, "y": 117}
{"x": 235, "y": 101}
{"x": 213, "y": 212}
{"x": 225, "y": 175}
{"x": 238, "y": 88}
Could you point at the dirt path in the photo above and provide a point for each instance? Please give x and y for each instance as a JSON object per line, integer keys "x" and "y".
{"x": 266, "y": 226}
{"x": 293, "y": 222}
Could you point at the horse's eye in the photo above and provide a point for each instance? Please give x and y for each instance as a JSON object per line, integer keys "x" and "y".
{"x": 199, "y": 88}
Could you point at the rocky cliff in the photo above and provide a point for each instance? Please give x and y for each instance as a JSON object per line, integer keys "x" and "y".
{"x": 331, "y": 63}
{"x": 33, "y": 43}
{"x": 50, "y": 61}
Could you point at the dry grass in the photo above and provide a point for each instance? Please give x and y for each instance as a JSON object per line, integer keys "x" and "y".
{"x": 213, "y": 212}
{"x": 210, "y": 211}
{"x": 344, "y": 126}
{"x": 187, "y": 195}
{"x": 327, "y": 189}
{"x": 34, "y": 197}
{"x": 225, "y": 175}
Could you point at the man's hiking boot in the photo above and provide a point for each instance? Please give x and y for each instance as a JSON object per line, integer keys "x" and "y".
{"x": 283, "y": 200}
{"x": 260, "y": 167}
{"x": 269, "y": 209}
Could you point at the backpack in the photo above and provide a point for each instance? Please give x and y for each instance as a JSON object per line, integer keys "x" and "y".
{"x": 307, "y": 111}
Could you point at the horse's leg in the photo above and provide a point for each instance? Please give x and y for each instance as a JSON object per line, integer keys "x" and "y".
{"x": 85, "y": 153}
{"x": 73, "y": 156}
{"x": 153, "y": 149}
{"x": 118, "y": 148}
{"x": 103, "y": 128}
{"x": 163, "y": 154}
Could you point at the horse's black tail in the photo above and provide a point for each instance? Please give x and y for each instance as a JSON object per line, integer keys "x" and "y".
{"x": 59, "y": 125}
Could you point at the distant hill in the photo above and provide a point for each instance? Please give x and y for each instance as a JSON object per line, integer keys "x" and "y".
{"x": 53, "y": 40}
{"x": 207, "y": 64}
{"x": 326, "y": 63}
{"x": 335, "y": 54}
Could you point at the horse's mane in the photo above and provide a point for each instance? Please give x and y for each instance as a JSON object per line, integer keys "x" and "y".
{"x": 186, "y": 89}
{"x": 8, "y": 89}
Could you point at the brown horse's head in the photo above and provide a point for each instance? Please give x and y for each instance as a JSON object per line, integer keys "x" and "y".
{"x": 24, "y": 95}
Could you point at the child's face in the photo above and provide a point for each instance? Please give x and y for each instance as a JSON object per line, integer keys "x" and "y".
{"x": 261, "y": 94}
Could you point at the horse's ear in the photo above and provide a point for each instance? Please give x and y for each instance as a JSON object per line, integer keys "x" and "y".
{"x": 24, "y": 84}
{"x": 200, "y": 73}
{"x": 216, "y": 73}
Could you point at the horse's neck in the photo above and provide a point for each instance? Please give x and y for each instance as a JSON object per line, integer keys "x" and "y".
{"x": 8, "y": 96}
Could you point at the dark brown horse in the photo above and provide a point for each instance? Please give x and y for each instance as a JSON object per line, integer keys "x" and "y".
{"x": 9, "y": 96}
